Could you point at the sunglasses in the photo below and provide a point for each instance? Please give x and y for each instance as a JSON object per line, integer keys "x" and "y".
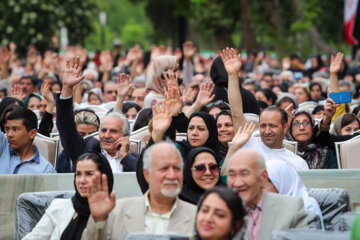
{"x": 201, "y": 169}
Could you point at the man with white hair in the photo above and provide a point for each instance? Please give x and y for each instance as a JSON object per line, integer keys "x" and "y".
{"x": 158, "y": 211}
{"x": 113, "y": 133}
{"x": 267, "y": 212}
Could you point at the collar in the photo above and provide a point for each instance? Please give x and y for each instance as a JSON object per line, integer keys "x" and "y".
{"x": 35, "y": 157}
{"x": 107, "y": 155}
{"x": 150, "y": 212}
{"x": 259, "y": 205}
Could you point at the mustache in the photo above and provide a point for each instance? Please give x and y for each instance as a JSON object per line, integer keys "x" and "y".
{"x": 108, "y": 140}
{"x": 170, "y": 182}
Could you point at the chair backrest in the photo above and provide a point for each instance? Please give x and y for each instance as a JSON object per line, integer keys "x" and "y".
{"x": 94, "y": 134}
{"x": 181, "y": 136}
{"x": 251, "y": 117}
{"x": 48, "y": 147}
{"x": 333, "y": 202}
{"x": 108, "y": 105}
{"x": 310, "y": 105}
{"x": 135, "y": 146}
{"x": 291, "y": 146}
{"x": 141, "y": 134}
{"x": 301, "y": 233}
{"x": 96, "y": 108}
{"x": 29, "y": 208}
{"x": 101, "y": 115}
{"x": 348, "y": 152}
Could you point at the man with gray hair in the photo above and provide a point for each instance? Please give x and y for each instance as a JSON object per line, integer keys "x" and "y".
{"x": 267, "y": 212}
{"x": 158, "y": 211}
{"x": 113, "y": 133}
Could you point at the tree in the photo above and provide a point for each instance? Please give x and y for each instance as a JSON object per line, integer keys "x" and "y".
{"x": 36, "y": 21}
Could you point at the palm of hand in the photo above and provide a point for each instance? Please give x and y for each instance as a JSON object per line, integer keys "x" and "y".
{"x": 174, "y": 106}
{"x": 204, "y": 97}
{"x": 232, "y": 65}
{"x": 71, "y": 76}
{"x": 161, "y": 121}
{"x": 100, "y": 204}
{"x": 123, "y": 88}
{"x": 241, "y": 139}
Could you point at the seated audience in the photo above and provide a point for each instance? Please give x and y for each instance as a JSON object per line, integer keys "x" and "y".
{"x": 18, "y": 155}
{"x": 302, "y": 129}
{"x": 201, "y": 172}
{"x": 67, "y": 218}
{"x": 114, "y": 128}
{"x": 273, "y": 122}
{"x": 247, "y": 174}
{"x": 158, "y": 211}
{"x": 220, "y": 215}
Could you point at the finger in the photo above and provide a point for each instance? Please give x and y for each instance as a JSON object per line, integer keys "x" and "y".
{"x": 233, "y": 53}
{"x": 67, "y": 63}
{"x": 76, "y": 64}
{"x": 113, "y": 198}
{"x": 104, "y": 184}
{"x": 72, "y": 62}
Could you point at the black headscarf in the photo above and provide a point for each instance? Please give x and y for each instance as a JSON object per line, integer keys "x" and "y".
{"x": 220, "y": 78}
{"x": 76, "y": 226}
{"x": 191, "y": 192}
{"x": 212, "y": 141}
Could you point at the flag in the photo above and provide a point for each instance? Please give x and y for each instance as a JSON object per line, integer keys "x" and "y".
{"x": 350, "y": 12}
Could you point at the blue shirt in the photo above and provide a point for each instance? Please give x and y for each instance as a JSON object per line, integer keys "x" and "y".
{"x": 10, "y": 161}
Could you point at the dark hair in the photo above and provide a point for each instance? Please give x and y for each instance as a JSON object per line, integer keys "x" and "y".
{"x": 318, "y": 109}
{"x": 128, "y": 105}
{"x": 313, "y": 84}
{"x": 143, "y": 118}
{"x": 95, "y": 157}
{"x": 34, "y": 80}
{"x": 269, "y": 94}
{"x": 357, "y": 91}
{"x": 284, "y": 117}
{"x": 262, "y": 104}
{"x": 349, "y": 118}
{"x": 233, "y": 202}
{"x": 9, "y": 101}
{"x": 225, "y": 113}
{"x": 27, "y": 116}
{"x": 219, "y": 104}
{"x": 8, "y": 109}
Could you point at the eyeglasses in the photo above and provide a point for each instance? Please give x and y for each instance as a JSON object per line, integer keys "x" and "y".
{"x": 298, "y": 124}
{"x": 201, "y": 169}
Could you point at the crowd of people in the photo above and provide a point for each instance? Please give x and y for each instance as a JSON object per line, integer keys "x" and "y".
{"x": 228, "y": 178}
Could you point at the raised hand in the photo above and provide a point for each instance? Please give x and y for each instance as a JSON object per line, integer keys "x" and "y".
{"x": 189, "y": 50}
{"x": 288, "y": 111}
{"x": 106, "y": 61}
{"x": 231, "y": 61}
{"x": 5, "y": 55}
{"x": 46, "y": 93}
{"x": 335, "y": 63}
{"x": 161, "y": 121}
{"x": 205, "y": 95}
{"x": 173, "y": 101}
{"x": 101, "y": 204}
{"x": 243, "y": 135}
{"x": 71, "y": 75}
{"x": 171, "y": 80}
{"x": 189, "y": 95}
{"x": 17, "y": 92}
{"x": 329, "y": 111}
{"x": 123, "y": 85}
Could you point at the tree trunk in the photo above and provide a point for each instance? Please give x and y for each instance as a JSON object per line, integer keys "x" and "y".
{"x": 248, "y": 34}
{"x": 314, "y": 33}
{"x": 221, "y": 38}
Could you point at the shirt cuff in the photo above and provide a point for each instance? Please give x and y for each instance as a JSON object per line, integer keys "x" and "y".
{"x": 323, "y": 128}
{"x": 65, "y": 97}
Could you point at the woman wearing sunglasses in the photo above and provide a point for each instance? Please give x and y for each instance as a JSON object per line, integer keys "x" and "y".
{"x": 201, "y": 172}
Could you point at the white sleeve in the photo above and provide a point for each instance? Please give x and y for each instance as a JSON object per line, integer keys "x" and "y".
{"x": 45, "y": 227}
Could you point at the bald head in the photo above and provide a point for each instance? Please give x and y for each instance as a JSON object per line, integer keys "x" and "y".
{"x": 247, "y": 174}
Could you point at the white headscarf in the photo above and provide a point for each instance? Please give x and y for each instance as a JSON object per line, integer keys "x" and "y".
{"x": 288, "y": 182}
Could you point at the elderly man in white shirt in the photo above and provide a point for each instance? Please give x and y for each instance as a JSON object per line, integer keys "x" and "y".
{"x": 158, "y": 211}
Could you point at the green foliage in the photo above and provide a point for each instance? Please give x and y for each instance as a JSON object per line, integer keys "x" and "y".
{"x": 126, "y": 21}
{"x": 36, "y": 21}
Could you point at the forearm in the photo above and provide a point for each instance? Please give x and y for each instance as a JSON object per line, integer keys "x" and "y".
{"x": 231, "y": 151}
{"x": 106, "y": 76}
{"x": 4, "y": 71}
{"x": 119, "y": 104}
{"x": 334, "y": 82}
{"x": 235, "y": 100}
{"x": 195, "y": 107}
{"x": 67, "y": 91}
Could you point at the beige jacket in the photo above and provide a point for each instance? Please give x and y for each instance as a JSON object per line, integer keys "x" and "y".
{"x": 129, "y": 216}
{"x": 281, "y": 212}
